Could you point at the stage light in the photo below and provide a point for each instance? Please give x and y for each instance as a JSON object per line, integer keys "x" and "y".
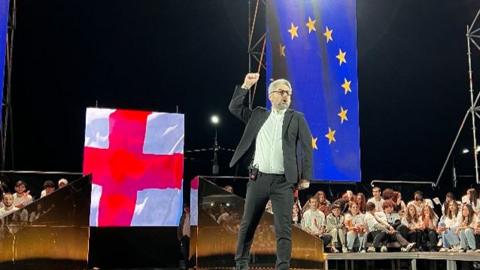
{"x": 215, "y": 119}
{"x": 465, "y": 151}
{"x": 478, "y": 148}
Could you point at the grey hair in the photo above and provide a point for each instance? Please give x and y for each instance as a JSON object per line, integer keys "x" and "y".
{"x": 273, "y": 85}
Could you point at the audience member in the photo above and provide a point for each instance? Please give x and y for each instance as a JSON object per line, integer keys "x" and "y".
{"x": 48, "y": 188}
{"x": 466, "y": 229}
{"x": 22, "y": 197}
{"x": 356, "y": 229}
{"x": 377, "y": 199}
{"x": 336, "y": 228}
{"x": 430, "y": 221}
{"x": 313, "y": 221}
{"x": 62, "y": 183}
{"x": 447, "y": 227}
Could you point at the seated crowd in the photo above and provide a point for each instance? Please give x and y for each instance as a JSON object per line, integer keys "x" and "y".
{"x": 13, "y": 201}
{"x": 385, "y": 222}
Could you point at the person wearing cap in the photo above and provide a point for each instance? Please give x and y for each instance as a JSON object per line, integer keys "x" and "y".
{"x": 282, "y": 145}
{"x": 48, "y": 188}
{"x": 62, "y": 183}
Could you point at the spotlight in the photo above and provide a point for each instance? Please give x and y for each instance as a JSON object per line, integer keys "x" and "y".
{"x": 215, "y": 119}
{"x": 465, "y": 151}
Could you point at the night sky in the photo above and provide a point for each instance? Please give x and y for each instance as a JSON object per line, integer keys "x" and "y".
{"x": 155, "y": 55}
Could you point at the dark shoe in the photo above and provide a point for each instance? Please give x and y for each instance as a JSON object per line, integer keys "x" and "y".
{"x": 241, "y": 265}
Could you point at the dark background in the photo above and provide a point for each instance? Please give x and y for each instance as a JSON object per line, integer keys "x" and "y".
{"x": 157, "y": 55}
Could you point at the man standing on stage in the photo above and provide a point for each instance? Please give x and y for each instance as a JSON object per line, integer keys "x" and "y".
{"x": 281, "y": 143}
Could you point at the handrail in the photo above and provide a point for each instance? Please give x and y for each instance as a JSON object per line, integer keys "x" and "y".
{"x": 402, "y": 182}
{"x": 41, "y": 172}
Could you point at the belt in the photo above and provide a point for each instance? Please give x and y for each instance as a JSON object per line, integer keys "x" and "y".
{"x": 271, "y": 174}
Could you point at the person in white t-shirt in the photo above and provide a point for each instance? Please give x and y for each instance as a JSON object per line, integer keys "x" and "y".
{"x": 22, "y": 197}
{"x": 472, "y": 198}
{"x": 48, "y": 188}
{"x": 419, "y": 202}
{"x": 356, "y": 229}
{"x": 377, "y": 199}
{"x": 8, "y": 206}
{"x": 466, "y": 229}
{"x": 447, "y": 227}
{"x": 313, "y": 221}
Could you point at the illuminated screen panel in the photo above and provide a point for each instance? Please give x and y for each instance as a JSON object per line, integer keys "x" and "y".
{"x": 136, "y": 159}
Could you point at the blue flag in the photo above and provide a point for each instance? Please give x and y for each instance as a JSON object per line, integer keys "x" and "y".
{"x": 313, "y": 44}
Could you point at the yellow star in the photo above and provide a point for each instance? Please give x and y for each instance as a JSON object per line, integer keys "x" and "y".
{"x": 341, "y": 57}
{"x": 282, "y": 50}
{"x": 330, "y": 135}
{"x": 293, "y": 31}
{"x": 343, "y": 115}
{"x": 314, "y": 143}
{"x": 346, "y": 85}
{"x": 328, "y": 34}
{"x": 311, "y": 25}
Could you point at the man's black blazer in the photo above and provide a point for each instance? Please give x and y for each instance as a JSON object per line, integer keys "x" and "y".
{"x": 296, "y": 136}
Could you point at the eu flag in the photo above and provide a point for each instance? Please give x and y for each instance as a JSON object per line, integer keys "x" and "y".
{"x": 313, "y": 44}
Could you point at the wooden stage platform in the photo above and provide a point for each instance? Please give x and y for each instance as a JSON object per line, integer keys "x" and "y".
{"x": 349, "y": 259}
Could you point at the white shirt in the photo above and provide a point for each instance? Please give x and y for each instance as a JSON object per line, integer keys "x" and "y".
{"x": 419, "y": 208}
{"x": 313, "y": 221}
{"x": 6, "y": 212}
{"x": 25, "y": 199}
{"x": 451, "y": 222}
{"x": 476, "y": 207}
{"x": 358, "y": 219}
{"x": 268, "y": 146}
{"x": 378, "y": 204}
{"x": 377, "y": 222}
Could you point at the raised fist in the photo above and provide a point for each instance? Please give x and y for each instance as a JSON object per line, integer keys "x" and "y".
{"x": 250, "y": 80}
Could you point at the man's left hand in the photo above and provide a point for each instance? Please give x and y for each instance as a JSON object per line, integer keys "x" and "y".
{"x": 303, "y": 184}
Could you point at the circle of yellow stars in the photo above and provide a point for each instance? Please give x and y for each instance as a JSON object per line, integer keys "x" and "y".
{"x": 342, "y": 59}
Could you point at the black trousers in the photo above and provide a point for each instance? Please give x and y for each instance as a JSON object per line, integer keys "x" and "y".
{"x": 381, "y": 238}
{"x": 280, "y": 192}
{"x": 184, "y": 249}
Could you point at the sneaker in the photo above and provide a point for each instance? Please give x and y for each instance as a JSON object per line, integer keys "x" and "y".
{"x": 440, "y": 242}
{"x": 371, "y": 249}
{"x": 477, "y": 250}
{"x": 364, "y": 251}
{"x": 443, "y": 249}
{"x": 470, "y": 251}
{"x": 335, "y": 250}
{"x": 408, "y": 247}
{"x": 455, "y": 248}
{"x": 345, "y": 250}
{"x": 383, "y": 249}
{"x": 461, "y": 250}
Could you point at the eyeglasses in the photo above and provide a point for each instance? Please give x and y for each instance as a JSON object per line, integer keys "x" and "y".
{"x": 283, "y": 92}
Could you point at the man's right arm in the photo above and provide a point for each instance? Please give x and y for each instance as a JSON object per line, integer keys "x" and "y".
{"x": 239, "y": 104}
